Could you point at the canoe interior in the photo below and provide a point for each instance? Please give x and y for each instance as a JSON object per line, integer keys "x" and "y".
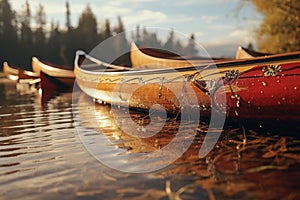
{"x": 243, "y": 52}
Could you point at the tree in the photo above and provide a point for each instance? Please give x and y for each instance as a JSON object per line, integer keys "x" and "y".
{"x": 121, "y": 46}
{"x": 39, "y": 34}
{"x": 87, "y": 29}
{"x": 280, "y": 28}
{"x": 106, "y": 33}
{"x": 54, "y": 47}
{"x": 68, "y": 18}
{"x": 26, "y": 40}
{"x": 120, "y": 28}
{"x": 8, "y": 32}
{"x": 191, "y": 47}
{"x": 169, "y": 45}
{"x": 179, "y": 48}
{"x": 68, "y": 43}
{"x": 138, "y": 35}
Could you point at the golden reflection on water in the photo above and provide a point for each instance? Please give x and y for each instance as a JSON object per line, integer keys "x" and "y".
{"x": 243, "y": 163}
{"x": 42, "y": 156}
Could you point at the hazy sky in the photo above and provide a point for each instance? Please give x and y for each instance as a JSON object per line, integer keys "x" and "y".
{"x": 214, "y": 22}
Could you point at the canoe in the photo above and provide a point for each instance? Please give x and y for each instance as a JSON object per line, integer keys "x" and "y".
{"x": 139, "y": 89}
{"x": 243, "y": 53}
{"x": 10, "y": 72}
{"x": 24, "y": 74}
{"x": 138, "y": 57}
{"x": 150, "y": 58}
{"x": 188, "y": 87}
{"x": 20, "y": 75}
{"x": 54, "y": 79}
{"x": 63, "y": 75}
{"x": 266, "y": 92}
{"x": 52, "y": 76}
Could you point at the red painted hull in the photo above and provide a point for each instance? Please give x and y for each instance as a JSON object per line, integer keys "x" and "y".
{"x": 255, "y": 95}
{"x": 51, "y": 86}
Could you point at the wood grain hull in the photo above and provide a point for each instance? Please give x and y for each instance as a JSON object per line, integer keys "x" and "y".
{"x": 143, "y": 93}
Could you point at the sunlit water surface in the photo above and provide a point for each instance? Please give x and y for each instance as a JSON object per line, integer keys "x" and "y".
{"x": 42, "y": 155}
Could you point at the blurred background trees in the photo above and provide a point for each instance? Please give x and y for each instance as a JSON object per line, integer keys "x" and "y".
{"x": 280, "y": 28}
{"x": 27, "y": 34}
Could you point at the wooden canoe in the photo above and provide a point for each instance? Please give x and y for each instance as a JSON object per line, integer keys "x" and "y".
{"x": 20, "y": 75}
{"x": 266, "y": 92}
{"x": 150, "y": 58}
{"x": 54, "y": 79}
{"x": 243, "y": 53}
{"x": 142, "y": 89}
{"x": 63, "y": 76}
{"x": 10, "y": 72}
{"x": 24, "y": 74}
{"x": 208, "y": 68}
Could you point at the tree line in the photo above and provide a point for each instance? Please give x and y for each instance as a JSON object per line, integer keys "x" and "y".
{"x": 20, "y": 38}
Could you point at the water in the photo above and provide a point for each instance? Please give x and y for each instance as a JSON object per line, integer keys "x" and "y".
{"x": 43, "y": 155}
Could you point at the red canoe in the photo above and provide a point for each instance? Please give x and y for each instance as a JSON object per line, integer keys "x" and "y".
{"x": 263, "y": 92}
{"x": 54, "y": 79}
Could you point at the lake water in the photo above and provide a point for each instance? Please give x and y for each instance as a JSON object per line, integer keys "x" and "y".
{"x": 52, "y": 151}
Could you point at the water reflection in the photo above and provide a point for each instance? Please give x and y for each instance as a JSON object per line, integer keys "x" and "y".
{"x": 42, "y": 155}
{"x": 239, "y": 166}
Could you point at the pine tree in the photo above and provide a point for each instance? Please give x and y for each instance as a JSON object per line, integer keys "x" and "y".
{"x": 69, "y": 42}
{"x": 138, "y": 35}
{"x": 178, "y": 48}
{"x": 191, "y": 46}
{"x": 54, "y": 46}
{"x": 120, "y": 28}
{"x": 121, "y": 46}
{"x": 106, "y": 30}
{"x": 39, "y": 34}
{"x": 26, "y": 38}
{"x": 68, "y": 17}
{"x": 169, "y": 45}
{"x": 8, "y": 32}
{"x": 87, "y": 29}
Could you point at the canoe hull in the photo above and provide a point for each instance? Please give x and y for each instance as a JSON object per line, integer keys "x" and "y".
{"x": 255, "y": 95}
{"x": 10, "y": 72}
{"x": 267, "y": 90}
{"x": 51, "y": 86}
{"x": 53, "y": 74}
{"x": 171, "y": 97}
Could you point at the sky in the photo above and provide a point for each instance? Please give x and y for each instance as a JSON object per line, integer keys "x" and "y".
{"x": 216, "y": 24}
